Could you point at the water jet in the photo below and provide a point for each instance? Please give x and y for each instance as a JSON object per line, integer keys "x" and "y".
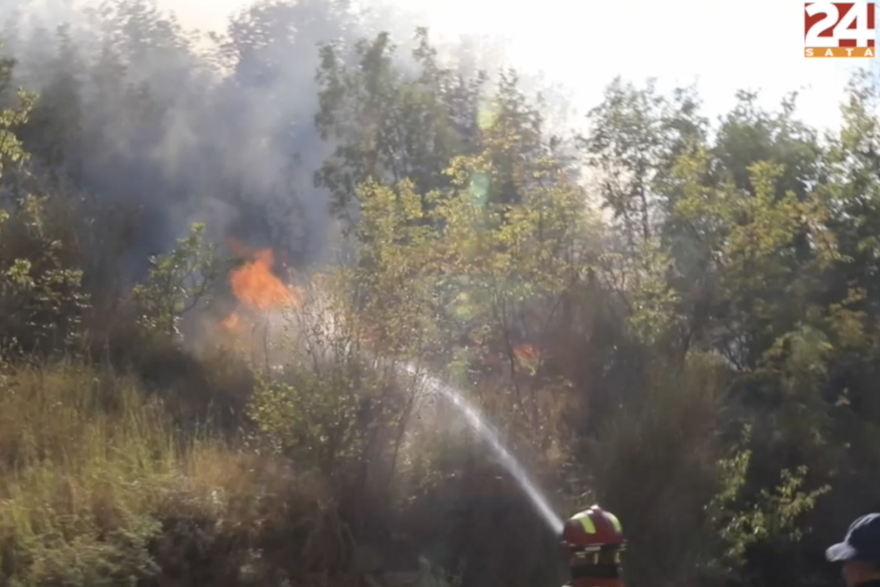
{"x": 508, "y": 461}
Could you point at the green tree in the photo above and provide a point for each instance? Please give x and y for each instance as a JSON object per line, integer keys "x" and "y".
{"x": 176, "y": 283}
{"x": 389, "y": 126}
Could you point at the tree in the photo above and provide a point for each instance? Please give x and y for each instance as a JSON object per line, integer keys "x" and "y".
{"x": 176, "y": 283}
{"x": 388, "y": 126}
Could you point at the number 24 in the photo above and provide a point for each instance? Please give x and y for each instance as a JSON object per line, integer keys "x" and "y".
{"x": 857, "y": 14}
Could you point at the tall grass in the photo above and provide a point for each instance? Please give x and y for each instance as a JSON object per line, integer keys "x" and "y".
{"x": 83, "y": 458}
{"x": 91, "y": 471}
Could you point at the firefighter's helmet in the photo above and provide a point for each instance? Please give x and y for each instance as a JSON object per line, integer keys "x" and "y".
{"x": 593, "y": 536}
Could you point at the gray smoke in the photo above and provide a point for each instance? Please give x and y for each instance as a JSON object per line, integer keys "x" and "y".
{"x": 186, "y": 128}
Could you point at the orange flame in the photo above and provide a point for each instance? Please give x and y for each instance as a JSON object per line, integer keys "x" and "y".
{"x": 527, "y": 354}
{"x": 257, "y": 287}
{"x": 231, "y": 322}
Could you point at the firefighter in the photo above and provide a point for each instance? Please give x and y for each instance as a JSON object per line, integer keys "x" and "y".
{"x": 593, "y": 540}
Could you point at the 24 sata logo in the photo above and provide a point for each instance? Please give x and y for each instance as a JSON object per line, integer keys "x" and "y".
{"x": 838, "y": 29}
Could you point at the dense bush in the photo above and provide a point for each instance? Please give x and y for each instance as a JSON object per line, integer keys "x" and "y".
{"x": 212, "y": 351}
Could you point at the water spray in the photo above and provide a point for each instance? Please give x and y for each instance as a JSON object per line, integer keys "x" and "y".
{"x": 256, "y": 287}
{"x": 513, "y": 466}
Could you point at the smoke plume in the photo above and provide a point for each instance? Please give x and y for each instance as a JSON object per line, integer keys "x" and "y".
{"x": 185, "y": 127}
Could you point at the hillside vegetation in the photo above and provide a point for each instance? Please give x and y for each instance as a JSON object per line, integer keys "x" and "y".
{"x": 218, "y": 270}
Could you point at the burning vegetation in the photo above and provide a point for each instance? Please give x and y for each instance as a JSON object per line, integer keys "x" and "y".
{"x": 619, "y": 355}
{"x": 257, "y": 289}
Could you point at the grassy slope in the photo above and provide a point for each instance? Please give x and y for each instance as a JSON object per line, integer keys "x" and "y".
{"x": 95, "y": 485}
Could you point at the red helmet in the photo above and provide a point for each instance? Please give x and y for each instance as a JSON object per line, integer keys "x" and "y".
{"x": 591, "y": 530}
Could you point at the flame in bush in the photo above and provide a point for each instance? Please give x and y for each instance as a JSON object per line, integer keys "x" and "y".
{"x": 527, "y": 354}
{"x": 256, "y": 286}
{"x": 232, "y": 322}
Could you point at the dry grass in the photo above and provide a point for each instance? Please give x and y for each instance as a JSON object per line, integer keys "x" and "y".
{"x": 91, "y": 471}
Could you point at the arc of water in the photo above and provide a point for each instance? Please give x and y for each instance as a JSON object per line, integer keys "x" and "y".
{"x": 478, "y": 423}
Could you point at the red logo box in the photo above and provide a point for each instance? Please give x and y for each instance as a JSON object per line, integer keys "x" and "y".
{"x": 839, "y": 29}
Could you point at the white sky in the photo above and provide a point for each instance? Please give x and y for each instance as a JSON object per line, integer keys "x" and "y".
{"x": 749, "y": 44}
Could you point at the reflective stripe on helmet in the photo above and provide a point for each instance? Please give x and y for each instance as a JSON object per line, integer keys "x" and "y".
{"x": 614, "y": 521}
{"x": 587, "y": 522}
